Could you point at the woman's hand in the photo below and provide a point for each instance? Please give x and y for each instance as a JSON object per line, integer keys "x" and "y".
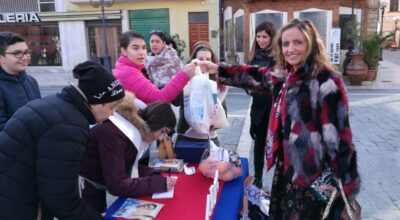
{"x": 212, "y": 67}
{"x": 190, "y": 69}
{"x": 171, "y": 181}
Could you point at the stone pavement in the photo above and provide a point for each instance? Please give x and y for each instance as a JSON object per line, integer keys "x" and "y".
{"x": 375, "y": 113}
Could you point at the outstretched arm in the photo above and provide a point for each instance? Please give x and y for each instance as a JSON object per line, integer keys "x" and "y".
{"x": 252, "y": 78}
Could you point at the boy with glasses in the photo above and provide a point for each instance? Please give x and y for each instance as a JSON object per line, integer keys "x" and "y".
{"x": 16, "y": 87}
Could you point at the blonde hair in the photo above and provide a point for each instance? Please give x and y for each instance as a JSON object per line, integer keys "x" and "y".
{"x": 316, "y": 56}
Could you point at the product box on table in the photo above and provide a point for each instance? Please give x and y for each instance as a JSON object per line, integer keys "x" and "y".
{"x": 190, "y": 149}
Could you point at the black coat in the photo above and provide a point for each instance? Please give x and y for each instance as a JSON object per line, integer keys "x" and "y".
{"x": 15, "y": 91}
{"x": 261, "y": 106}
{"x": 42, "y": 147}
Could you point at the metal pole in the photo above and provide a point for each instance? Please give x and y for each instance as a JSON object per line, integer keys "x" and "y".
{"x": 380, "y": 33}
{"x": 106, "y": 57}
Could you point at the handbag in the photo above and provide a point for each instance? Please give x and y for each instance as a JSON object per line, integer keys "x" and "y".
{"x": 327, "y": 178}
{"x": 352, "y": 210}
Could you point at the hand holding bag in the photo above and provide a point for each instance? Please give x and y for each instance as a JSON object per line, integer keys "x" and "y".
{"x": 352, "y": 210}
{"x": 199, "y": 107}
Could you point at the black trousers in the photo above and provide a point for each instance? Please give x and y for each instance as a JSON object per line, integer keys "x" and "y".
{"x": 259, "y": 146}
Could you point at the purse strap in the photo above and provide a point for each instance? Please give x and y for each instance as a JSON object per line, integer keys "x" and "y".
{"x": 346, "y": 202}
{"x": 332, "y": 198}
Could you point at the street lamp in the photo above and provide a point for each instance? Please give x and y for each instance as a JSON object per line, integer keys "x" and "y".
{"x": 102, "y": 4}
{"x": 383, "y": 4}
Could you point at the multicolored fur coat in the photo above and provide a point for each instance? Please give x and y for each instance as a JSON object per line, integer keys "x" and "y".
{"x": 161, "y": 68}
{"x": 309, "y": 120}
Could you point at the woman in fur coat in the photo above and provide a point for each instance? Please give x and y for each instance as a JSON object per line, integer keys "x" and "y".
{"x": 309, "y": 128}
{"x": 115, "y": 148}
{"x": 163, "y": 62}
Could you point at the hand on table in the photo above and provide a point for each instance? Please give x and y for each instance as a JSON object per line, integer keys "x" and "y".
{"x": 171, "y": 181}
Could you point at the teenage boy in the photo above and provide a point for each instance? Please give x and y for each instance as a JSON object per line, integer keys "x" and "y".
{"x": 16, "y": 87}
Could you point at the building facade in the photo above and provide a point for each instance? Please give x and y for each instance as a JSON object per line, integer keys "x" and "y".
{"x": 329, "y": 17}
{"x": 64, "y": 33}
{"x": 391, "y": 19}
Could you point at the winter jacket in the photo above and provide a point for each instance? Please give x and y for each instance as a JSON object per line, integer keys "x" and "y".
{"x": 261, "y": 102}
{"x": 111, "y": 157}
{"x": 309, "y": 121}
{"x": 42, "y": 147}
{"x": 15, "y": 91}
{"x": 132, "y": 79}
{"x": 163, "y": 67}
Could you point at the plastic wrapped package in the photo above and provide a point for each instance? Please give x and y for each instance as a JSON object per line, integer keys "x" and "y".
{"x": 226, "y": 162}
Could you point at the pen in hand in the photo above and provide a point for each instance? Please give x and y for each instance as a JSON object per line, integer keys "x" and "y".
{"x": 169, "y": 172}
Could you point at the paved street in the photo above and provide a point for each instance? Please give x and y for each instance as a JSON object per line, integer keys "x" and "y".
{"x": 375, "y": 113}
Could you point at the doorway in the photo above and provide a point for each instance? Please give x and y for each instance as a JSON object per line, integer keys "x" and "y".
{"x": 97, "y": 42}
{"x": 198, "y": 28}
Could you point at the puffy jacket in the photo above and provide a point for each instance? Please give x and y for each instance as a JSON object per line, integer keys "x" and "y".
{"x": 42, "y": 147}
{"x": 15, "y": 91}
{"x": 132, "y": 79}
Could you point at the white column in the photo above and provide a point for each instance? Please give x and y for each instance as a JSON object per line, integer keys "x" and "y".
{"x": 74, "y": 48}
{"x": 60, "y": 6}
{"x": 125, "y": 21}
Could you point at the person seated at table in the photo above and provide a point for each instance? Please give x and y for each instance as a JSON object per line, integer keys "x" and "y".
{"x": 115, "y": 147}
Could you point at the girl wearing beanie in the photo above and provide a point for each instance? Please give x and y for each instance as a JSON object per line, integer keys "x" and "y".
{"x": 115, "y": 148}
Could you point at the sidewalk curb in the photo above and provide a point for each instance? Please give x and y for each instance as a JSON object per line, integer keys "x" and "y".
{"x": 244, "y": 144}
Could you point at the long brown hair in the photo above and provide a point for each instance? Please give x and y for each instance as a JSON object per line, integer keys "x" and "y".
{"x": 316, "y": 54}
{"x": 269, "y": 28}
{"x": 205, "y": 46}
{"x": 202, "y": 46}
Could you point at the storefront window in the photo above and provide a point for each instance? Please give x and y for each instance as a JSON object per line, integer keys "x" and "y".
{"x": 43, "y": 40}
{"x": 239, "y": 33}
{"x": 47, "y": 5}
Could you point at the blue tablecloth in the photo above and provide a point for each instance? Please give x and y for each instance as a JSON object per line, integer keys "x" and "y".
{"x": 231, "y": 199}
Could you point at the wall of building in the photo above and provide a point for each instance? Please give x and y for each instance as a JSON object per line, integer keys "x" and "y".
{"x": 74, "y": 48}
{"x": 389, "y": 21}
{"x": 288, "y": 6}
{"x": 178, "y": 10}
{"x": 365, "y": 12}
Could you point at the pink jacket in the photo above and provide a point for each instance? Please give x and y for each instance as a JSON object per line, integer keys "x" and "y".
{"x": 132, "y": 79}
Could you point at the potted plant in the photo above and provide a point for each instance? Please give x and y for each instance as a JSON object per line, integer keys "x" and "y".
{"x": 180, "y": 44}
{"x": 354, "y": 66}
{"x": 371, "y": 48}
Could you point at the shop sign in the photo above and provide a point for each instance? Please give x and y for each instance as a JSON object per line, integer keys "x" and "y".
{"x": 23, "y": 17}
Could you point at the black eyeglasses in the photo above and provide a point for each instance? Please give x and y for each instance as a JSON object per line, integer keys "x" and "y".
{"x": 20, "y": 54}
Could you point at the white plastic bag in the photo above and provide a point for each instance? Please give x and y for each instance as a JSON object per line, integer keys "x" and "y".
{"x": 199, "y": 106}
{"x": 220, "y": 120}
